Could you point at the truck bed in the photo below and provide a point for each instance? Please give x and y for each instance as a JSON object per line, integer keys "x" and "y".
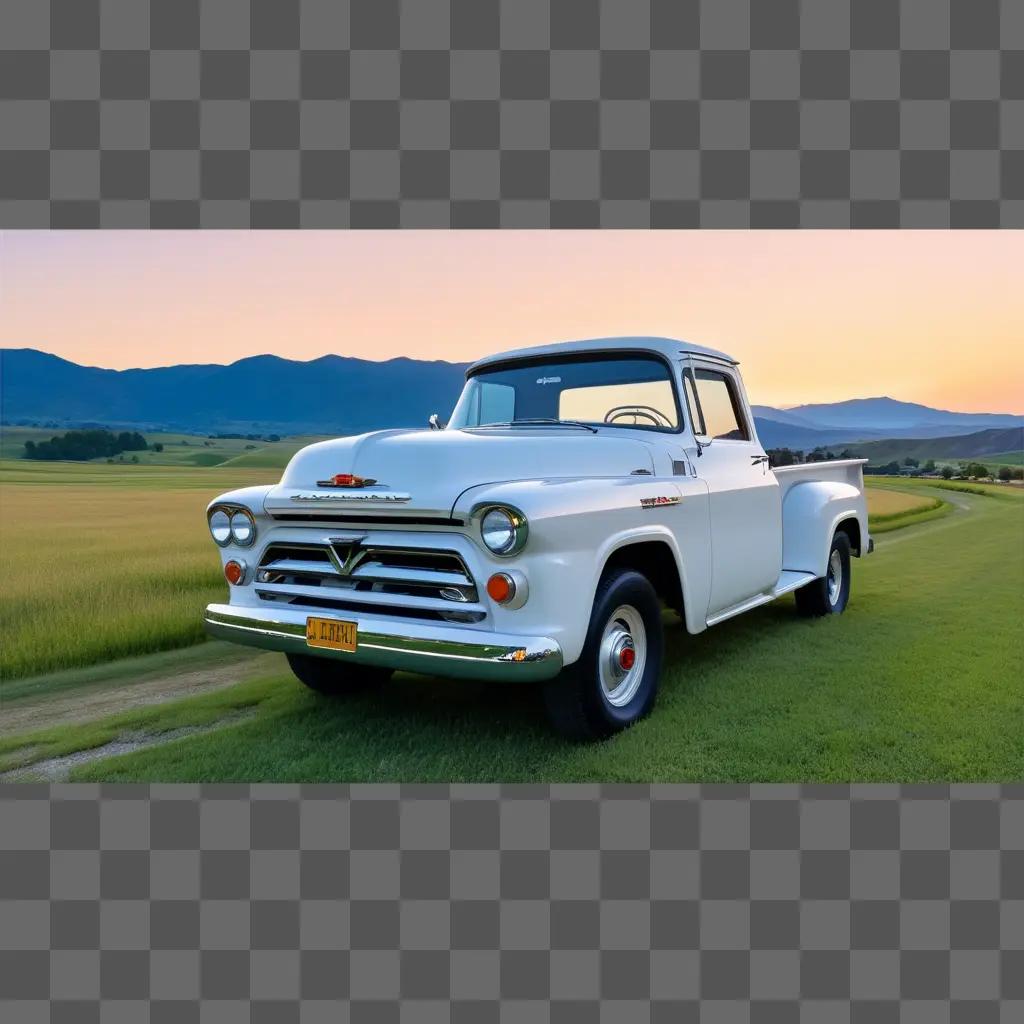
{"x": 850, "y": 471}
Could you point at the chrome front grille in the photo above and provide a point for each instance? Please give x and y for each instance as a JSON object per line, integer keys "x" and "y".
{"x": 354, "y": 574}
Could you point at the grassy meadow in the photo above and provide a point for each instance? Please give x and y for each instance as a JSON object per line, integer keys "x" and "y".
{"x": 104, "y": 561}
{"x": 920, "y": 680}
{"x": 1003, "y": 459}
{"x": 107, "y": 561}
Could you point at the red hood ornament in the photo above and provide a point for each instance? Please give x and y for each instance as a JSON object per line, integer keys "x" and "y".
{"x": 346, "y": 480}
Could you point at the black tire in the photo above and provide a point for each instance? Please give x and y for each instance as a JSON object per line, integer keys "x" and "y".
{"x": 336, "y": 678}
{"x": 813, "y": 600}
{"x": 577, "y": 703}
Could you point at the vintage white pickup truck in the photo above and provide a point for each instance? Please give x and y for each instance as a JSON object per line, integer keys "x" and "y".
{"x": 577, "y": 489}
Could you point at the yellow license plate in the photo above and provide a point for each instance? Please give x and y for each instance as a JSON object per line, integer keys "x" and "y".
{"x": 332, "y": 633}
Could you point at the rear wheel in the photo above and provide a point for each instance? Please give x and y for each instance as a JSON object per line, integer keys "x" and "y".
{"x": 615, "y": 681}
{"x": 830, "y": 594}
{"x": 336, "y": 678}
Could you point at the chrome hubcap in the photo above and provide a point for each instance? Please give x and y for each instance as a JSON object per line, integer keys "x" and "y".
{"x": 622, "y": 655}
{"x": 835, "y": 577}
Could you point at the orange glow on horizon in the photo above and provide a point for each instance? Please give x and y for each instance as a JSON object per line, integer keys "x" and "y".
{"x": 813, "y": 316}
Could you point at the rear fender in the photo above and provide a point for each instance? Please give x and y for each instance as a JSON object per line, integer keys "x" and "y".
{"x": 811, "y": 512}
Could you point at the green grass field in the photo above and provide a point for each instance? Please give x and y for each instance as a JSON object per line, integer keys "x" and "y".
{"x": 102, "y": 562}
{"x": 920, "y": 680}
{"x": 271, "y": 456}
{"x": 1003, "y": 459}
{"x": 141, "y": 566}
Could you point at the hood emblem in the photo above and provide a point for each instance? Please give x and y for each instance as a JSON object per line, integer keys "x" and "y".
{"x": 346, "y": 480}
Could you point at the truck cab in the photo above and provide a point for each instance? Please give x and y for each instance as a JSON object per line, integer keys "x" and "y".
{"x": 576, "y": 490}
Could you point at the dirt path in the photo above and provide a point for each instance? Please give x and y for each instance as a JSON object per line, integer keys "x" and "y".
{"x": 962, "y": 502}
{"x": 58, "y": 769}
{"x": 98, "y": 701}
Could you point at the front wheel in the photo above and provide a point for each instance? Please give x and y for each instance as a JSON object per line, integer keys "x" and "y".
{"x": 615, "y": 681}
{"x": 335, "y": 678}
{"x": 830, "y": 594}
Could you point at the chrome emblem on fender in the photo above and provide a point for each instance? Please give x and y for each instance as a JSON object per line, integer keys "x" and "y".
{"x": 661, "y": 499}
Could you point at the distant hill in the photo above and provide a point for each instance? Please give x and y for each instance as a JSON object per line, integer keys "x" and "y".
{"x": 1000, "y": 441}
{"x": 867, "y": 419}
{"x": 774, "y": 434}
{"x": 889, "y": 414}
{"x": 781, "y": 416}
{"x": 338, "y": 395}
{"x": 333, "y": 394}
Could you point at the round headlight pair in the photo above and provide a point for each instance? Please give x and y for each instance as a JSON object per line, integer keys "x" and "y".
{"x": 229, "y": 525}
{"x": 503, "y": 530}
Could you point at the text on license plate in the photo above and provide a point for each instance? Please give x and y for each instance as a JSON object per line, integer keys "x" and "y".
{"x": 333, "y": 633}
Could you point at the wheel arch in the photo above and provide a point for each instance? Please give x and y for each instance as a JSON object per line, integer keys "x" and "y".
{"x": 851, "y": 527}
{"x": 655, "y": 554}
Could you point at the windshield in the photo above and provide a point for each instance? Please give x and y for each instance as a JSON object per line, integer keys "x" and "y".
{"x": 617, "y": 391}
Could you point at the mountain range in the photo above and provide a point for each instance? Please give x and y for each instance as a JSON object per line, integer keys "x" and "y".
{"x": 341, "y": 395}
{"x": 333, "y": 394}
{"x": 979, "y": 445}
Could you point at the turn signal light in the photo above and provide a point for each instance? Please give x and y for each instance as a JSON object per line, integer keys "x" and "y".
{"x": 501, "y": 588}
{"x": 234, "y": 572}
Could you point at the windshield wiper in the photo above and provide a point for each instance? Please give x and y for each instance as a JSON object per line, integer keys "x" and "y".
{"x": 540, "y": 421}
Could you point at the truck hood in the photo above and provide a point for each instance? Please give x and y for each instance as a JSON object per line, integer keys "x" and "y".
{"x": 423, "y": 472}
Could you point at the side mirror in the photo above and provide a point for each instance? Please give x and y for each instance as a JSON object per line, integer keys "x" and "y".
{"x": 435, "y": 422}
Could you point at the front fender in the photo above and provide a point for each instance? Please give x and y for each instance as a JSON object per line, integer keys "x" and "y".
{"x": 576, "y": 525}
{"x": 811, "y": 512}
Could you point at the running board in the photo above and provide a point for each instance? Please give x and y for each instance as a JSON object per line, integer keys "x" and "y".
{"x": 787, "y": 581}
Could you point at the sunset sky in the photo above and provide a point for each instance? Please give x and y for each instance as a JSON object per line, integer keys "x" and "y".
{"x": 932, "y": 317}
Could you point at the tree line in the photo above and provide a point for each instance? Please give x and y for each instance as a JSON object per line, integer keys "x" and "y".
{"x": 82, "y": 445}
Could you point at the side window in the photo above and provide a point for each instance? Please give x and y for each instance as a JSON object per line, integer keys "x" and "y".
{"x": 720, "y": 406}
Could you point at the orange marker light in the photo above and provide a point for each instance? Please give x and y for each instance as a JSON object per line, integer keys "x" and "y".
{"x": 501, "y": 588}
{"x": 233, "y": 572}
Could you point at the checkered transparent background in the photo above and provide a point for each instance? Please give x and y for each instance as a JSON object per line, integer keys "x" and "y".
{"x": 511, "y": 113}
{"x": 477, "y": 904}
{"x": 381, "y": 904}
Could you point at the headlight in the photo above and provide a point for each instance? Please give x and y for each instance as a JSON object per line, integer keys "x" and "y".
{"x": 503, "y": 530}
{"x": 243, "y": 528}
{"x": 220, "y": 527}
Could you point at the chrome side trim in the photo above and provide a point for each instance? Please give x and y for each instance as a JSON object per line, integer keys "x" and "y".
{"x": 428, "y": 649}
{"x": 361, "y": 496}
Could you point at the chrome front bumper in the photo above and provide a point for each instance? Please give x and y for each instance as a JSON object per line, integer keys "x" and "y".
{"x": 409, "y": 647}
